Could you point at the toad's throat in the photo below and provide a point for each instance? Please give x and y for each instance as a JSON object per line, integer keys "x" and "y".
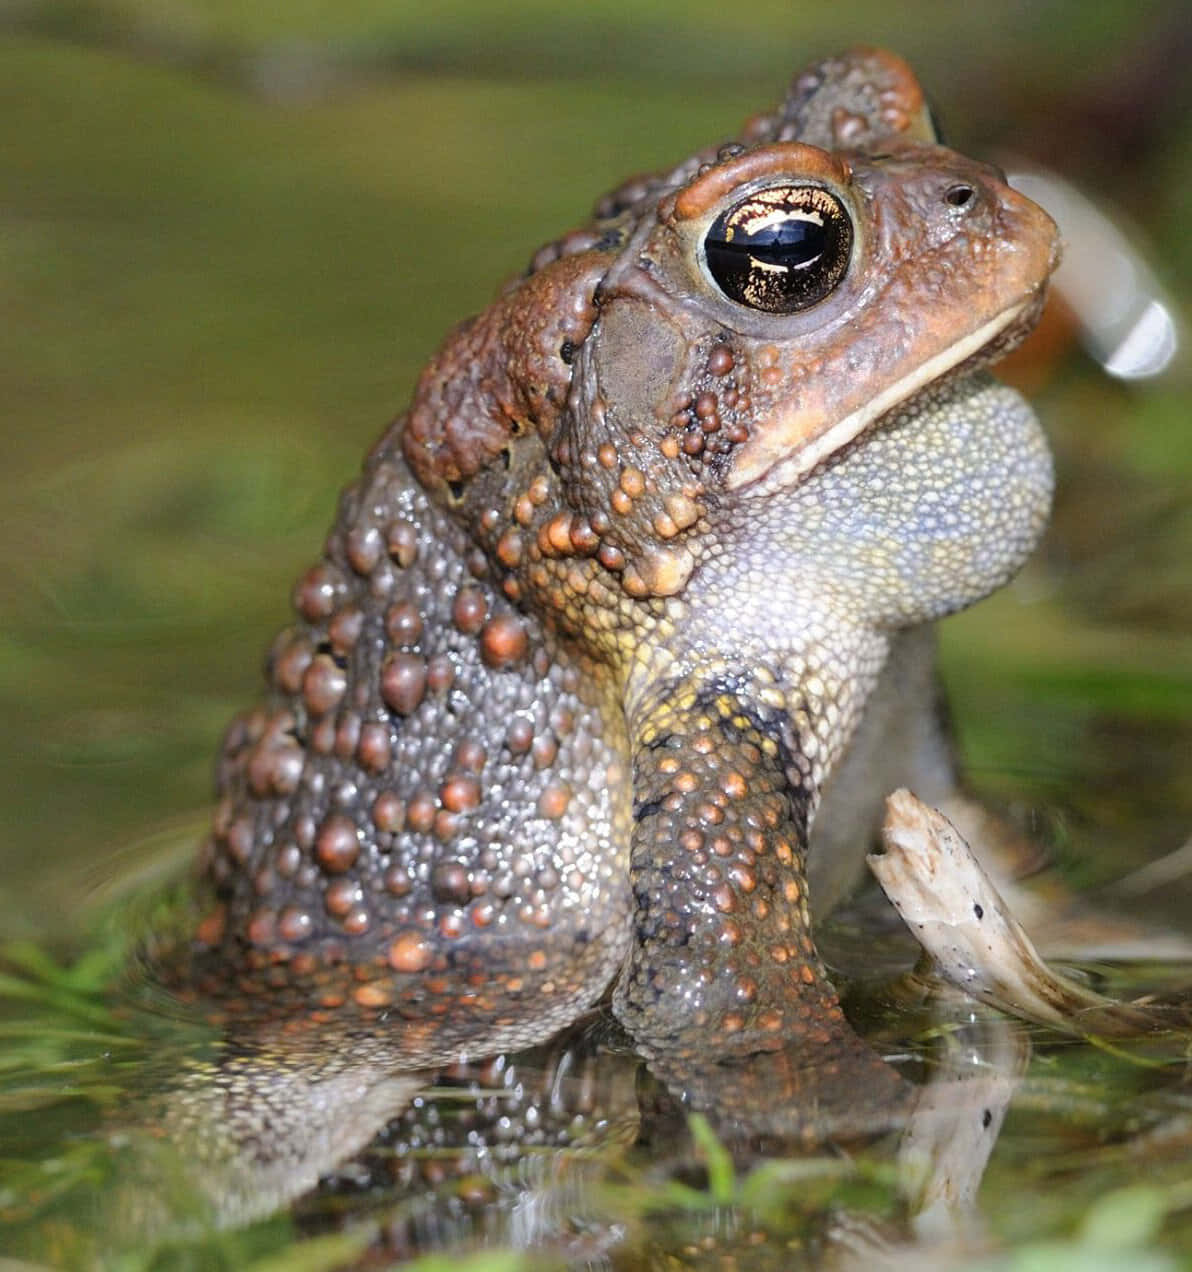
{"x": 788, "y": 453}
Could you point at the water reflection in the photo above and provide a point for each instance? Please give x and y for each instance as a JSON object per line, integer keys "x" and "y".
{"x": 540, "y": 1152}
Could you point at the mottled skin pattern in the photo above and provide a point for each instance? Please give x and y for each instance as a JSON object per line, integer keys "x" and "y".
{"x": 599, "y": 620}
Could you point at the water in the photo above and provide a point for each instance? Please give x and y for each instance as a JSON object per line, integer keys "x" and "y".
{"x": 212, "y": 306}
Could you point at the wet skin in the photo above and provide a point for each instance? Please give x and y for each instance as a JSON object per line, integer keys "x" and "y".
{"x": 637, "y": 590}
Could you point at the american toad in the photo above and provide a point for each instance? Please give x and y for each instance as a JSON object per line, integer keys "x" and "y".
{"x": 598, "y": 626}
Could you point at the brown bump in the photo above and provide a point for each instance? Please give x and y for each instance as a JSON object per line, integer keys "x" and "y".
{"x": 606, "y": 455}
{"x": 545, "y": 750}
{"x": 260, "y": 770}
{"x": 410, "y": 951}
{"x": 664, "y": 526}
{"x": 683, "y": 510}
{"x": 470, "y": 755}
{"x": 295, "y": 925}
{"x": 342, "y": 896}
{"x": 620, "y": 503}
{"x": 733, "y": 785}
{"x": 509, "y": 548}
{"x": 337, "y": 845}
{"x": 402, "y": 541}
{"x": 686, "y": 782}
{"x": 420, "y": 812}
{"x": 519, "y": 736}
{"x": 403, "y": 623}
{"x": 612, "y": 558}
{"x": 363, "y": 548}
{"x": 742, "y": 877}
{"x": 324, "y": 685}
{"x": 451, "y": 926}
{"x": 347, "y": 735}
{"x": 388, "y": 813}
{"x": 403, "y": 682}
{"x": 584, "y": 538}
{"x": 344, "y": 629}
{"x": 397, "y": 881}
{"x": 664, "y": 571}
{"x": 356, "y": 922}
{"x": 460, "y": 793}
{"x": 262, "y": 927}
{"x": 557, "y": 532}
{"x": 291, "y": 665}
{"x": 374, "y": 749}
{"x": 469, "y": 610}
{"x": 720, "y": 360}
{"x": 287, "y": 860}
{"x": 633, "y": 482}
{"x": 264, "y": 881}
{"x": 723, "y": 899}
{"x": 449, "y": 883}
{"x": 634, "y": 584}
{"x": 440, "y": 673}
{"x": 536, "y": 961}
{"x": 372, "y": 996}
{"x": 504, "y": 642}
{"x": 316, "y": 593}
{"x": 240, "y": 839}
{"x": 447, "y": 825}
{"x": 553, "y": 801}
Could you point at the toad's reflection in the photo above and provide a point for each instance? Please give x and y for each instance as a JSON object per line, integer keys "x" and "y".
{"x": 527, "y": 1151}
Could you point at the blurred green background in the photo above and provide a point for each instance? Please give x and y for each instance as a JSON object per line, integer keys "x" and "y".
{"x": 231, "y": 233}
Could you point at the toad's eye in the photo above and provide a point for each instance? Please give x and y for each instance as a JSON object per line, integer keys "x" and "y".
{"x": 780, "y": 250}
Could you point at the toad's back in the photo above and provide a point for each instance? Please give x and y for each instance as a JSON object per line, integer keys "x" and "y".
{"x": 424, "y": 817}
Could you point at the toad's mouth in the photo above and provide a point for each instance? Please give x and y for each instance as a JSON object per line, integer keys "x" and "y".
{"x": 788, "y": 451}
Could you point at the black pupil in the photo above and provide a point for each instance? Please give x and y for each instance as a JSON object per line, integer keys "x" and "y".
{"x": 780, "y": 250}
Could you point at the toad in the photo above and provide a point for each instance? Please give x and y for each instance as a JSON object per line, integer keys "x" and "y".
{"x": 624, "y": 631}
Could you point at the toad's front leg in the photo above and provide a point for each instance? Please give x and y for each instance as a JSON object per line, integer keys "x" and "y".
{"x": 723, "y": 965}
